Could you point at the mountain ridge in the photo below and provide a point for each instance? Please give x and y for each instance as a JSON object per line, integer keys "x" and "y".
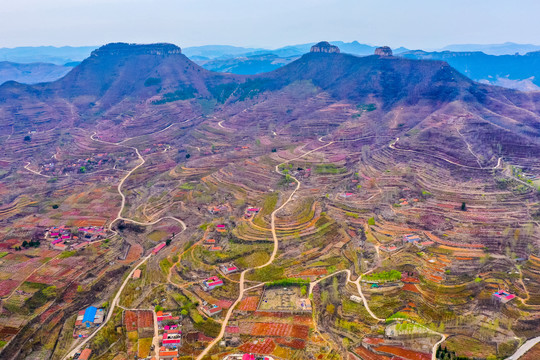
{"x": 125, "y": 87}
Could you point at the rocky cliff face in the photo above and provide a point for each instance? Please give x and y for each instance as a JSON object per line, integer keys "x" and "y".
{"x": 324, "y": 47}
{"x": 135, "y": 49}
{"x": 383, "y": 51}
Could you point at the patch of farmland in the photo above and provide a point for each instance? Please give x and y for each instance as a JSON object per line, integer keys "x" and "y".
{"x": 294, "y": 343}
{"x": 404, "y": 353}
{"x": 249, "y": 303}
{"x": 7, "y": 286}
{"x": 265, "y": 346}
{"x": 275, "y": 329}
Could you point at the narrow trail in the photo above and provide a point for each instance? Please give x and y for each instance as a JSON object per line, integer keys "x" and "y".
{"x": 528, "y": 345}
{"x": 28, "y": 277}
{"x": 122, "y": 181}
{"x": 358, "y": 287}
{"x": 26, "y": 167}
{"x": 366, "y": 305}
{"x": 110, "y": 313}
{"x": 393, "y": 147}
{"x": 114, "y": 303}
{"x": 469, "y": 147}
{"x": 270, "y": 260}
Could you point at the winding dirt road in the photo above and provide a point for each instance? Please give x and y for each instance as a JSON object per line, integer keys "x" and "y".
{"x": 366, "y": 305}
{"x": 393, "y": 147}
{"x": 114, "y": 303}
{"x": 270, "y": 260}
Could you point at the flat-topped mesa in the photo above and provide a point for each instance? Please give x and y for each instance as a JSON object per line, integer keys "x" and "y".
{"x": 324, "y": 47}
{"x": 383, "y": 51}
{"x": 137, "y": 49}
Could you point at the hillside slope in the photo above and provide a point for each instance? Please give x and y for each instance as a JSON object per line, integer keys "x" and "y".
{"x": 123, "y": 90}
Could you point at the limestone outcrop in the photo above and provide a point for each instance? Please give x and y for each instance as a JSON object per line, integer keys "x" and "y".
{"x": 383, "y": 51}
{"x": 324, "y": 47}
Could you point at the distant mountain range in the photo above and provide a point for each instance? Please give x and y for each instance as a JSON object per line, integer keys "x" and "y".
{"x": 33, "y": 73}
{"x": 222, "y": 52}
{"x": 124, "y": 90}
{"x": 508, "y": 48}
{"x": 495, "y": 64}
{"x": 46, "y": 54}
{"x": 521, "y": 72}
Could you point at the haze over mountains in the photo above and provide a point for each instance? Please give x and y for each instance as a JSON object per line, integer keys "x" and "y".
{"x": 126, "y": 89}
{"x": 497, "y": 64}
{"x": 32, "y": 73}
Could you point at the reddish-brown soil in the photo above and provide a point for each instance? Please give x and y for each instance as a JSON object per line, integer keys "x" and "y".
{"x": 275, "y": 329}
{"x": 533, "y": 354}
{"x": 368, "y": 355}
{"x": 7, "y": 286}
{"x": 294, "y": 343}
{"x": 134, "y": 254}
{"x": 411, "y": 287}
{"x": 135, "y": 320}
{"x": 249, "y": 303}
{"x": 403, "y": 353}
{"x": 265, "y": 347}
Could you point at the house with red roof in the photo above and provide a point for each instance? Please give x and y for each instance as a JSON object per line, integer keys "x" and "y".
{"x": 227, "y": 269}
{"x": 60, "y": 246}
{"x": 211, "y": 283}
{"x": 251, "y": 211}
{"x": 85, "y": 354}
{"x": 172, "y": 339}
{"x": 158, "y": 248}
{"x": 503, "y": 296}
{"x": 212, "y": 310}
{"x": 165, "y": 353}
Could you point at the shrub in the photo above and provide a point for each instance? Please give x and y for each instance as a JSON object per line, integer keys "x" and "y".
{"x": 268, "y": 273}
{"x": 371, "y": 221}
{"x": 67, "y": 254}
{"x": 152, "y": 81}
{"x": 187, "y": 186}
{"x": 49, "y": 292}
{"x": 181, "y": 94}
{"x": 288, "y": 282}
{"x": 391, "y": 275}
{"x": 329, "y": 169}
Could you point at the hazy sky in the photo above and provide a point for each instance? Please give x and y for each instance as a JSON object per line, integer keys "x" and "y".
{"x": 410, "y": 23}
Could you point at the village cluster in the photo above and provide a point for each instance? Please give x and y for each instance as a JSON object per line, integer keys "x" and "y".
{"x": 66, "y": 238}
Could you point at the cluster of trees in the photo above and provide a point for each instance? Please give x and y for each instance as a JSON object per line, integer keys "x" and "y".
{"x": 122, "y": 225}
{"x": 288, "y": 282}
{"x": 445, "y": 354}
{"x": 27, "y": 244}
